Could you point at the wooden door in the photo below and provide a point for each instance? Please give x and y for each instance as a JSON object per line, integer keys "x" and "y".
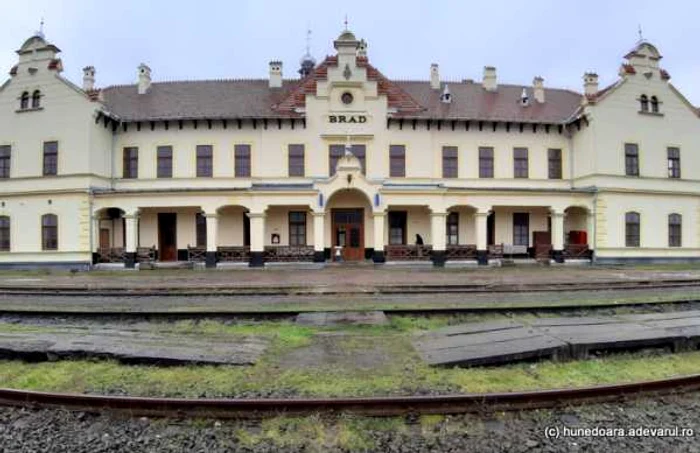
{"x": 348, "y": 233}
{"x": 104, "y": 238}
{"x": 167, "y": 236}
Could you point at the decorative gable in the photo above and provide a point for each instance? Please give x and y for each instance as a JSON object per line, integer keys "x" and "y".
{"x": 397, "y": 98}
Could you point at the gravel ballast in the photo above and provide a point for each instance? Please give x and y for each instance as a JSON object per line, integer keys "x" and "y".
{"x": 59, "y": 431}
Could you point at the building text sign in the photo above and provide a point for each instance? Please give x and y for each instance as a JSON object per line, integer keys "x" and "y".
{"x": 356, "y": 119}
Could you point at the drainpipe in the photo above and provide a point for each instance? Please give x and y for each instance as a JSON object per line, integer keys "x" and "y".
{"x": 595, "y": 225}
{"x": 91, "y": 228}
{"x": 111, "y": 161}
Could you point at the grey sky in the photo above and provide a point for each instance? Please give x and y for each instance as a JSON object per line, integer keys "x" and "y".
{"x": 558, "y": 40}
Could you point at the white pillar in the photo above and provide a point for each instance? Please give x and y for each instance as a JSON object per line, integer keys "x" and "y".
{"x": 212, "y": 239}
{"x": 438, "y": 236}
{"x": 319, "y": 230}
{"x": 132, "y": 232}
{"x": 590, "y": 230}
{"x": 378, "y": 220}
{"x": 438, "y": 230}
{"x": 557, "y": 229}
{"x": 257, "y": 238}
{"x": 557, "y": 218}
{"x": 212, "y": 231}
{"x": 96, "y": 233}
{"x": 481, "y": 222}
{"x": 319, "y": 236}
{"x": 131, "y": 224}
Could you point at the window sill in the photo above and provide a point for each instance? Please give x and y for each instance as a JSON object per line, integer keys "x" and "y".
{"x": 31, "y": 109}
{"x": 642, "y": 112}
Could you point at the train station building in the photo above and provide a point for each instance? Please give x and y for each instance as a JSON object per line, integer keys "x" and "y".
{"x": 341, "y": 162}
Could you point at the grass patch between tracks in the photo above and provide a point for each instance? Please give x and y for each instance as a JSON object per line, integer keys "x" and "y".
{"x": 336, "y": 362}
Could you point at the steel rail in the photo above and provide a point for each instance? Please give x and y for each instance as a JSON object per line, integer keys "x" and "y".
{"x": 275, "y": 314}
{"x": 164, "y": 291}
{"x": 379, "y": 406}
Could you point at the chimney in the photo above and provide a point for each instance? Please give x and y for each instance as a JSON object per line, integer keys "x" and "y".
{"x": 275, "y": 74}
{"x": 434, "y": 76}
{"x": 590, "y": 83}
{"x": 489, "y": 82}
{"x": 538, "y": 89}
{"x": 88, "y": 78}
{"x": 144, "y": 78}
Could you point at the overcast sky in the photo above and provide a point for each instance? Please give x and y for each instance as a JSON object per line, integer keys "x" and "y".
{"x": 558, "y": 40}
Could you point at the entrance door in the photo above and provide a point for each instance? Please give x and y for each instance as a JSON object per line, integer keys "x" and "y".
{"x": 348, "y": 233}
{"x": 167, "y": 236}
{"x": 104, "y": 238}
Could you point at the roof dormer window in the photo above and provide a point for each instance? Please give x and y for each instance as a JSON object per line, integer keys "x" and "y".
{"x": 36, "y": 99}
{"x": 24, "y": 101}
{"x": 644, "y": 101}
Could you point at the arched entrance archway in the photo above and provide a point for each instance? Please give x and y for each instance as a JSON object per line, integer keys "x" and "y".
{"x": 349, "y": 225}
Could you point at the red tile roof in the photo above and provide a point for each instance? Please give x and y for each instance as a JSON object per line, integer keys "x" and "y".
{"x": 221, "y": 99}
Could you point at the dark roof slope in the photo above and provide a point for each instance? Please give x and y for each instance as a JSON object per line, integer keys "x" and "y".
{"x": 471, "y": 101}
{"x": 228, "y": 99}
{"x": 210, "y": 99}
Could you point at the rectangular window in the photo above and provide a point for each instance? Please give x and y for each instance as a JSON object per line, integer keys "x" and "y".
{"x": 50, "y": 158}
{"x": 397, "y": 227}
{"x": 131, "y": 163}
{"x": 631, "y": 159}
{"x": 205, "y": 161}
{"x": 450, "y": 162}
{"x": 486, "y": 162}
{"x": 49, "y": 232}
{"x": 674, "y": 162}
{"x": 296, "y": 160}
{"x": 5, "y": 156}
{"x": 675, "y": 222}
{"x": 521, "y": 228}
{"x": 297, "y": 228}
{"x": 632, "y": 229}
{"x": 397, "y": 161}
{"x": 165, "y": 161}
{"x": 554, "y": 156}
{"x": 520, "y": 163}
{"x": 242, "y": 157}
{"x": 335, "y": 152}
{"x": 4, "y": 234}
{"x": 453, "y": 228}
{"x": 201, "y": 229}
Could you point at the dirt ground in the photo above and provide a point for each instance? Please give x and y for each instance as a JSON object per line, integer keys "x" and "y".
{"x": 352, "y": 278}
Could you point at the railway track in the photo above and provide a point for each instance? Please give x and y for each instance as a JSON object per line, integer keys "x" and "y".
{"x": 163, "y": 291}
{"x": 378, "y": 406}
{"x": 272, "y": 315}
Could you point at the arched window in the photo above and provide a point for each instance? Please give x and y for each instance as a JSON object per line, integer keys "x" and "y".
{"x": 675, "y": 230}
{"x": 644, "y": 100}
{"x": 654, "y": 104}
{"x": 632, "y": 229}
{"x": 36, "y": 99}
{"x": 49, "y": 232}
{"x": 24, "y": 101}
{"x": 4, "y": 234}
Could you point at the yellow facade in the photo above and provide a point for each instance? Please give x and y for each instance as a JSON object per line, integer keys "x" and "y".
{"x": 271, "y": 216}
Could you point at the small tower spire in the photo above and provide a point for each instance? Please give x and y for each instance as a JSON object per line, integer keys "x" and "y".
{"x": 307, "y": 62}
{"x": 308, "y": 41}
{"x": 41, "y": 28}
